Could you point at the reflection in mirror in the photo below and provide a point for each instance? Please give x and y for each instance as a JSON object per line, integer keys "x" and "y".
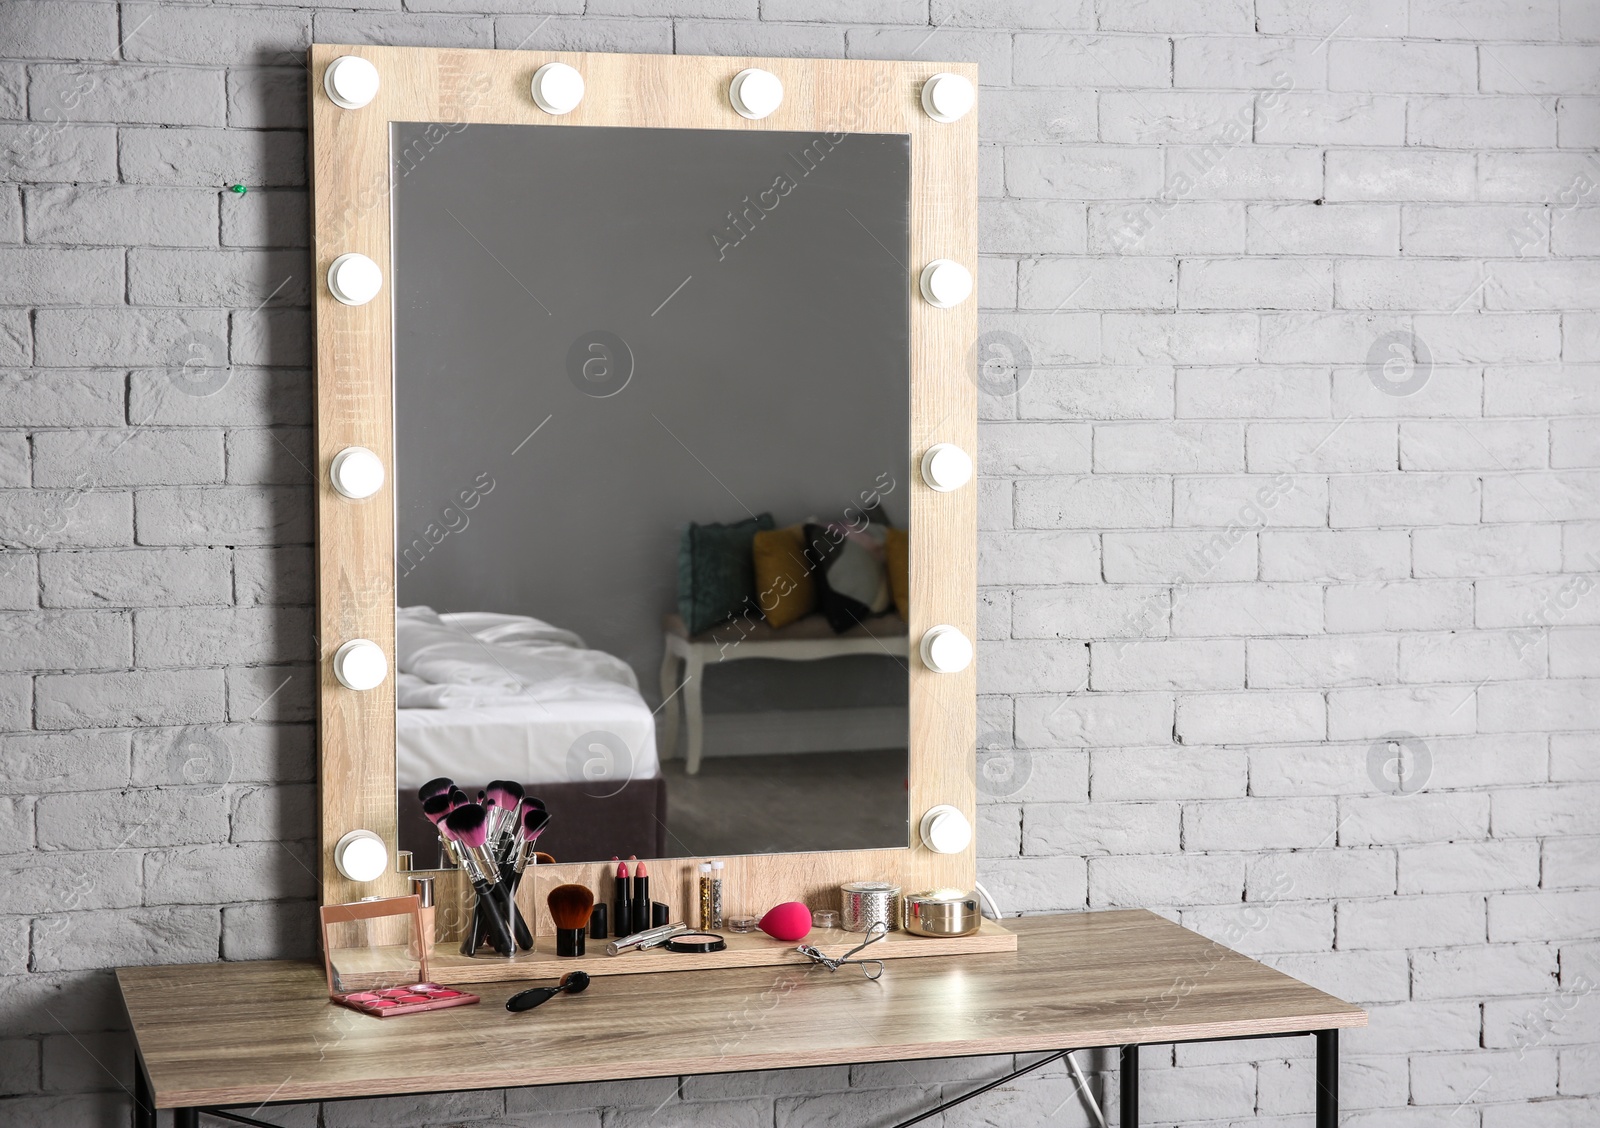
{"x": 651, "y": 466}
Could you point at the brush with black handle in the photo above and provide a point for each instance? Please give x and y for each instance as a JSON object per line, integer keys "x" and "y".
{"x": 468, "y": 826}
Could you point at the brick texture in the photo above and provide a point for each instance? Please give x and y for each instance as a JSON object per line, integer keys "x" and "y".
{"x": 1290, "y": 563}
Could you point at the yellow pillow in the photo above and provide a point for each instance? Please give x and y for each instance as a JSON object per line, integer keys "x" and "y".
{"x": 897, "y": 561}
{"x": 785, "y": 590}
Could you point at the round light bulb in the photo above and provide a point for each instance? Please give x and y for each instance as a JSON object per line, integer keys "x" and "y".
{"x": 755, "y": 93}
{"x": 946, "y": 467}
{"x": 360, "y": 665}
{"x": 946, "y": 830}
{"x": 947, "y": 97}
{"x": 945, "y": 650}
{"x": 354, "y": 279}
{"x": 946, "y": 283}
{"x": 361, "y": 856}
{"x": 356, "y": 473}
{"x": 351, "y": 82}
{"x": 557, "y": 88}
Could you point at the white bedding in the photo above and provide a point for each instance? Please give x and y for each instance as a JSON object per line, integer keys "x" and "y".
{"x": 486, "y": 696}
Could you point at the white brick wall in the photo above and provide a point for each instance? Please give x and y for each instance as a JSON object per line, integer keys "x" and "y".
{"x": 1303, "y": 648}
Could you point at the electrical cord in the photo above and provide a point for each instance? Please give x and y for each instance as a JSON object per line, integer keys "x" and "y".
{"x": 992, "y": 910}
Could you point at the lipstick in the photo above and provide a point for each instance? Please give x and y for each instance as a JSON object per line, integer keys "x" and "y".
{"x": 641, "y": 897}
{"x": 624, "y": 901}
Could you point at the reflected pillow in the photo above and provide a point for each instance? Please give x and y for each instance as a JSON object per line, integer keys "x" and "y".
{"x": 897, "y": 561}
{"x": 852, "y": 584}
{"x": 785, "y": 591}
{"x": 716, "y": 579}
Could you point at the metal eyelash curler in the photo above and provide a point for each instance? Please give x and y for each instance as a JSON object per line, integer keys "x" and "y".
{"x": 872, "y": 969}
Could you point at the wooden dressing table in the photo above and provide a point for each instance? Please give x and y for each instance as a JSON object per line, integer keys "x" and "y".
{"x": 253, "y": 1035}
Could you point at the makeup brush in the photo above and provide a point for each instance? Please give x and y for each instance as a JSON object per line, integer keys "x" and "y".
{"x": 468, "y": 825}
{"x": 435, "y": 809}
{"x": 515, "y": 857}
{"x": 440, "y": 786}
{"x": 572, "y": 983}
{"x": 570, "y": 906}
{"x": 458, "y": 798}
{"x": 507, "y": 797}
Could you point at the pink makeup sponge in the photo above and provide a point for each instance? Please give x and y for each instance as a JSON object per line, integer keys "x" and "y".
{"x": 788, "y": 921}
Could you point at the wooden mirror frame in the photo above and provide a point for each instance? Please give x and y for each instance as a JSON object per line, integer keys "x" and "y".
{"x": 354, "y": 382}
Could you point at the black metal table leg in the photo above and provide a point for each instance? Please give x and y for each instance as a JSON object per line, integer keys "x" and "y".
{"x": 186, "y": 1118}
{"x": 144, "y": 1105}
{"x": 1129, "y": 1070}
{"x": 1327, "y": 1079}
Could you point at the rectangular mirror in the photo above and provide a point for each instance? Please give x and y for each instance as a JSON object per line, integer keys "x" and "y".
{"x": 652, "y": 399}
{"x": 633, "y": 374}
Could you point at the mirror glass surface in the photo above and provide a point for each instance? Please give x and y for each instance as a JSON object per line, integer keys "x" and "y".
{"x": 652, "y": 456}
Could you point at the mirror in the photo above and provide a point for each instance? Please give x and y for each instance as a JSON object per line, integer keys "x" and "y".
{"x": 652, "y": 451}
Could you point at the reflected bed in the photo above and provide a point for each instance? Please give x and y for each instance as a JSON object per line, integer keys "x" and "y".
{"x": 489, "y": 696}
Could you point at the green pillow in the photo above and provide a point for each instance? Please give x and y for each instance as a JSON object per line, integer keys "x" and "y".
{"x": 716, "y": 575}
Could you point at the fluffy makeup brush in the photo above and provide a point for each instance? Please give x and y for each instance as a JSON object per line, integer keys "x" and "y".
{"x": 505, "y": 793}
{"x": 440, "y": 786}
{"x": 506, "y": 796}
{"x": 533, "y": 824}
{"x": 436, "y": 808}
{"x": 570, "y": 906}
{"x": 458, "y": 798}
{"x": 469, "y": 827}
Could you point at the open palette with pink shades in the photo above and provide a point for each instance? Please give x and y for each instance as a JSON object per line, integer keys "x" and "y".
{"x": 377, "y": 959}
{"x": 405, "y": 1000}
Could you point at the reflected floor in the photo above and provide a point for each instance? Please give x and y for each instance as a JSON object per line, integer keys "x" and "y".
{"x": 780, "y": 804}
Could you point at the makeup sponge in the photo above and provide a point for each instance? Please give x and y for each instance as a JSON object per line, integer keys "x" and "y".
{"x": 788, "y": 921}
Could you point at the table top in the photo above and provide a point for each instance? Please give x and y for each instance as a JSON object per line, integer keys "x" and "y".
{"x": 234, "y": 1033}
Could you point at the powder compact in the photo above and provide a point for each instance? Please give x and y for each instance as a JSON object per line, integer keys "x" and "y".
{"x": 940, "y": 912}
{"x": 377, "y": 959}
{"x": 696, "y": 943}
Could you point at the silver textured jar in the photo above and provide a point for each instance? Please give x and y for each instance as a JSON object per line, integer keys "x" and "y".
{"x": 863, "y": 904}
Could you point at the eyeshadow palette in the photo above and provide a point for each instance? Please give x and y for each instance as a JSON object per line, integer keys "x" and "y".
{"x": 405, "y": 1000}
